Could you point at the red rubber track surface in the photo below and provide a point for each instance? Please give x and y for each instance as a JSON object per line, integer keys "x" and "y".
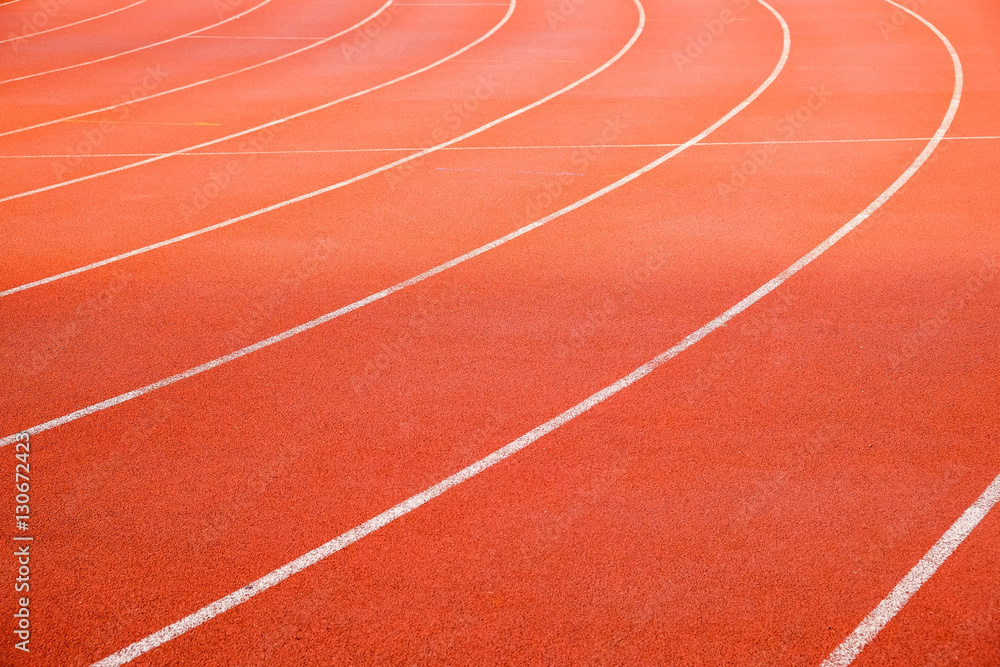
{"x": 748, "y": 503}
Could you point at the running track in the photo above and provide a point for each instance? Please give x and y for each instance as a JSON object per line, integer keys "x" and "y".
{"x": 559, "y": 398}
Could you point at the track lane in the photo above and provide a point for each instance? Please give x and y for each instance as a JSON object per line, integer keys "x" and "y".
{"x": 455, "y": 582}
{"x": 955, "y": 617}
{"x": 20, "y": 77}
{"x": 219, "y": 321}
{"x": 27, "y": 34}
{"x": 303, "y": 94}
{"x": 201, "y": 59}
{"x": 31, "y": 19}
{"x": 33, "y": 370}
{"x": 432, "y": 115}
{"x": 959, "y": 274}
{"x": 781, "y": 518}
{"x": 86, "y": 504}
{"x": 752, "y": 647}
{"x": 344, "y": 252}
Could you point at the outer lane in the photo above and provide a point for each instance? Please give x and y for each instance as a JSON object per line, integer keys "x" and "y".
{"x": 183, "y": 62}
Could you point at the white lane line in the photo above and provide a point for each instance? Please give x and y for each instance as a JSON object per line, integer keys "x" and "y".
{"x": 285, "y": 119}
{"x": 122, "y": 398}
{"x": 273, "y": 578}
{"x": 350, "y": 307}
{"x": 392, "y": 165}
{"x": 195, "y": 84}
{"x": 434, "y": 271}
{"x": 136, "y": 50}
{"x": 312, "y": 39}
{"x": 70, "y": 25}
{"x": 873, "y": 623}
{"x": 502, "y": 148}
{"x": 236, "y": 598}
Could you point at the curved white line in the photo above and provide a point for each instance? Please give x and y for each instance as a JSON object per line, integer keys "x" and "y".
{"x": 870, "y": 627}
{"x": 195, "y": 84}
{"x": 357, "y": 304}
{"x": 278, "y": 121}
{"x": 335, "y": 186}
{"x": 141, "y": 48}
{"x": 886, "y": 610}
{"x": 242, "y": 352}
{"x": 275, "y": 577}
{"x": 70, "y": 25}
